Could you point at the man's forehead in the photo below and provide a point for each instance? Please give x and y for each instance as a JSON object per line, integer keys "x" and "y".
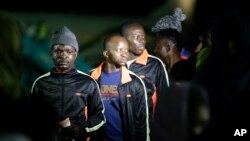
{"x": 137, "y": 33}
{"x": 61, "y": 46}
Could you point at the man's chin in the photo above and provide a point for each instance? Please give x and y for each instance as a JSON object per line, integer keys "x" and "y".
{"x": 120, "y": 65}
{"x": 123, "y": 64}
{"x": 63, "y": 67}
{"x": 140, "y": 50}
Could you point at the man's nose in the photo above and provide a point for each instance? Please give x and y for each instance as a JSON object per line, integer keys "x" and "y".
{"x": 63, "y": 54}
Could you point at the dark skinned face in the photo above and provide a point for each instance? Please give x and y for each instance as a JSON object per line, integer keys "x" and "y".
{"x": 118, "y": 52}
{"x": 64, "y": 57}
{"x": 164, "y": 49}
{"x": 137, "y": 40}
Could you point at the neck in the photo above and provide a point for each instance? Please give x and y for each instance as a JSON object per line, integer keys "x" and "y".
{"x": 57, "y": 70}
{"x": 174, "y": 59}
{"x": 132, "y": 56}
{"x": 110, "y": 68}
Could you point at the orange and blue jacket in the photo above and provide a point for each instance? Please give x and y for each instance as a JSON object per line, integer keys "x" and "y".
{"x": 132, "y": 92}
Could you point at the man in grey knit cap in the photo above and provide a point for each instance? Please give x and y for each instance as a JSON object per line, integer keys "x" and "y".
{"x": 67, "y": 102}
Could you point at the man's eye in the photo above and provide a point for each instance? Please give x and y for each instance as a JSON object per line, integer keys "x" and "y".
{"x": 70, "y": 51}
{"x": 57, "y": 51}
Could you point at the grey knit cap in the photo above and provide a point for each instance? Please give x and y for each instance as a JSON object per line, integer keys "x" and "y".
{"x": 173, "y": 21}
{"x": 64, "y": 36}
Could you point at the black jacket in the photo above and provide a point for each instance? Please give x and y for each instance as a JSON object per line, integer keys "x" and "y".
{"x": 153, "y": 72}
{"x": 73, "y": 94}
{"x": 133, "y": 97}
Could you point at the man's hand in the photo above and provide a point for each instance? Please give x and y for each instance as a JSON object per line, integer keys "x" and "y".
{"x": 72, "y": 131}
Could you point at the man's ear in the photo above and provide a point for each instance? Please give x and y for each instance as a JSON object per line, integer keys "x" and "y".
{"x": 51, "y": 50}
{"x": 105, "y": 53}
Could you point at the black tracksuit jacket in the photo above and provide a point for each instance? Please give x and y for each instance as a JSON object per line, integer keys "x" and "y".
{"x": 133, "y": 97}
{"x": 72, "y": 94}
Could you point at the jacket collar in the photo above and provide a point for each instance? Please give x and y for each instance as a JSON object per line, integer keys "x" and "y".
{"x": 54, "y": 72}
{"x": 124, "y": 72}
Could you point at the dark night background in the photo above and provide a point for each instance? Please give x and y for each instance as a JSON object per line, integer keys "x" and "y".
{"x": 204, "y": 8}
{"x": 205, "y": 11}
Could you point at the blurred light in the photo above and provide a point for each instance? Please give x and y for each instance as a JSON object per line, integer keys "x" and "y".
{"x": 188, "y": 7}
